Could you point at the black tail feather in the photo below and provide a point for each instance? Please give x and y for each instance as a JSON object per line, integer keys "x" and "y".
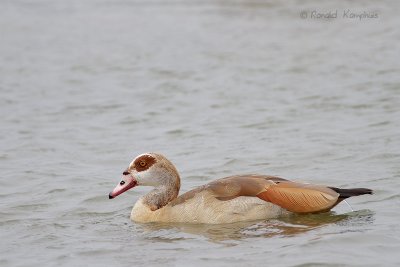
{"x": 345, "y": 193}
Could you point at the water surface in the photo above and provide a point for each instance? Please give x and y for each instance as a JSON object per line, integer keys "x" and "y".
{"x": 220, "y": 88}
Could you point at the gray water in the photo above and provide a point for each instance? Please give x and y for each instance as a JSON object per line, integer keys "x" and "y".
{"x": 220, "y": 88}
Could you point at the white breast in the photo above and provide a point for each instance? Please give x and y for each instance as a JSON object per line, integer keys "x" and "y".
{"x": 205, "y": 208}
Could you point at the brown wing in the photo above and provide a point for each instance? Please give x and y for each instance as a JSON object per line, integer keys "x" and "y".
{"x": 300, "y": 198}
{"x": 242, "y": 185}
{"x": 295, "y": 197}
{"x": 231, "y": 187}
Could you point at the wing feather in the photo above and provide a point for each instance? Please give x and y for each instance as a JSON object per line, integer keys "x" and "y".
{"x": 300, "y": 198}
{"x": 292, "y": 196}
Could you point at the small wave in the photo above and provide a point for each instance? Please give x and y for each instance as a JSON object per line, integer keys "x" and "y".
{"x": 175, "y": 132}
{"x": 386, "y": 198}
{"x": 31, "y": 207}
{"x": 57, "y": 190}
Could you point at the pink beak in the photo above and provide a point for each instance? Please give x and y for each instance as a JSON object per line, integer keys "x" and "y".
{"x": 127, "y": 182}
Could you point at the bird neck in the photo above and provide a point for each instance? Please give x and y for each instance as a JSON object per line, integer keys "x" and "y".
{"x": 165, "y": 193}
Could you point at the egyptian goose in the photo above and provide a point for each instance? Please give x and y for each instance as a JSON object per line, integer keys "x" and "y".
{"x": 226, "y": 200}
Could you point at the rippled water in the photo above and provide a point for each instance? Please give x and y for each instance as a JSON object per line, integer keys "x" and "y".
{"x": 221, "y": 88}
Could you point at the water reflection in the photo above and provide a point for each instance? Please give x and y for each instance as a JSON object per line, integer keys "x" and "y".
{"x": 283, "y": 227}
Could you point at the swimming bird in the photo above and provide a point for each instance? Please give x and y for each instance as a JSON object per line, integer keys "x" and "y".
{"x": 226, "y": 200}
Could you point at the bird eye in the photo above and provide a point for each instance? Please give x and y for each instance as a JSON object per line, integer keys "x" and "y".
{"x": 122, "y": 182}
{"x": 142, "y": 163}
